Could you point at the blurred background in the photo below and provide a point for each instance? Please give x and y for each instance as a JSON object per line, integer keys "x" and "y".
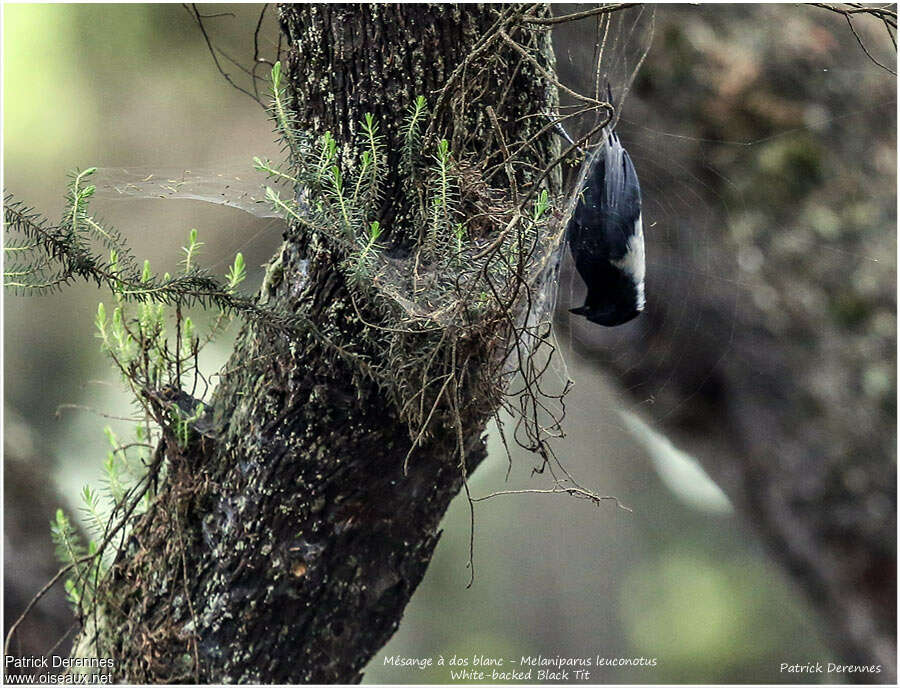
{"x": 765, "y": 140}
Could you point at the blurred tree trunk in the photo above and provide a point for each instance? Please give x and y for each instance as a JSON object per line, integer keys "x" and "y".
{"x": 286, "y": 550}
{"x": 774, "y": 364}
{"x": 31, "y": 500}
{"x": 829, "y": 520}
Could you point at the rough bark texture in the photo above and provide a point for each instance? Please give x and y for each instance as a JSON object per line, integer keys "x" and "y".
{"x": 286, "y": 549}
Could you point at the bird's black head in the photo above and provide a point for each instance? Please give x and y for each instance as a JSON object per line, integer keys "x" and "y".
{"x": 610, "y": 316}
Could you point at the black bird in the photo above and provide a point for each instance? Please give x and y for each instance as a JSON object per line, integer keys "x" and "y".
{"x": 606, "y": 237}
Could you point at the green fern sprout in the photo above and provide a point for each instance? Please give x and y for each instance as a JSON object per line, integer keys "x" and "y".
{"x": 100, "y": 324}
{"x": 125, "y": 347}
{"x": 284, "y": 121}
{"x": 372, "y": 157}
{"x": 442, "y": 229}
{"x": 237, "y": 273}
{"x": 96, "y": 519}
{"x": 69, "y": 548}
{"x": 460, "y": 233}
{"x": 71, "y": 551}
{"x": 182, "y": 423}
{"x": 337, "y": 182}
{"x": 265, "y": 166}
{"x": 187, "y": 335}
{"x": 412, "y": 139}
{"x": 362, "y": 264}
{"x": 191, "y": 250}
{"x": 366, "y": 167}
{"x": 541, "y": 204}
{"x": 113, "y": 478}
{"x": 327, "y": 154}
{"x": 122, "y": 461}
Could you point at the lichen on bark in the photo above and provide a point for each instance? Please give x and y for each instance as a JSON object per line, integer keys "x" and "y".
{"x": 286, "y": 550}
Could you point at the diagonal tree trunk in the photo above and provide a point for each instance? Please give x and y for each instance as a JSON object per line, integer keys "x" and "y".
{"x": 286, "y": 549}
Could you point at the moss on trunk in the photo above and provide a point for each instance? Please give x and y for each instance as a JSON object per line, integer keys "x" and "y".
{"x": 286, "y": 549}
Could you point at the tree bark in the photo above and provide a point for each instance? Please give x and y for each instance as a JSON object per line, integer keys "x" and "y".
{"x": 286, "y": 548}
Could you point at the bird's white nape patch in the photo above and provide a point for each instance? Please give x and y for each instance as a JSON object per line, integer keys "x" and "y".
{"x": 633, "y": 262}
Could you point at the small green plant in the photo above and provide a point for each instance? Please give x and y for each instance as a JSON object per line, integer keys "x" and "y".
{"x": 441, "y": 282}
{"x": 71, "y": 550}
{"x": 155, "y": 347}
{"x": 43, "y": 257}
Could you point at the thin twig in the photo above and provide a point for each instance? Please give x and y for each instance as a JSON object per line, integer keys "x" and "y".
{"x": 547, "y": 75}
{"x": 212, "y": 51}
{"x": 865, "y": 49}
{"x": 884, "y": 14}
{"x": 575, "y": 16}
{"x": 574, "y": 491}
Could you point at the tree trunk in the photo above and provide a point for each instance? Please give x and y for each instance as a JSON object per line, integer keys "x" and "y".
{"x": 286, "y": 549}
{"x": 28, "y": 555}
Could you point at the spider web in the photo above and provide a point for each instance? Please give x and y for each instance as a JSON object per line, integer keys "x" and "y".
{"x": 235, "y": 186}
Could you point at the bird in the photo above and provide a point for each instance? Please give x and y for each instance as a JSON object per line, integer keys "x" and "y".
{"x": 606, "y": 236}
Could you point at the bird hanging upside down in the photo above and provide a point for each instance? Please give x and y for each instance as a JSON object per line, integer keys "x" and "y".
{"x": 606, "y": 237}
